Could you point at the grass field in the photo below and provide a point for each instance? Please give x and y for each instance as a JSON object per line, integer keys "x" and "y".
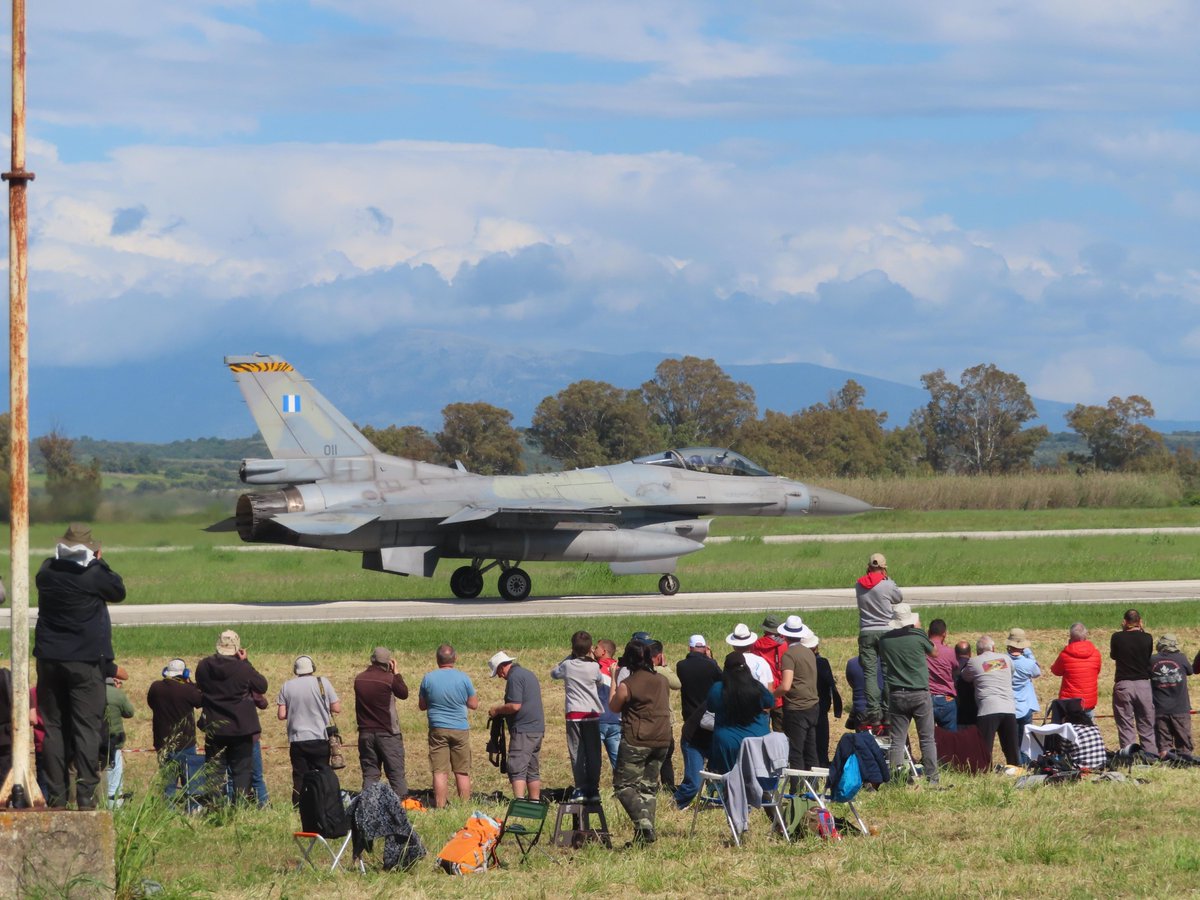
{"x": 1078, "y": 840}
{"x": 982, "y": 835}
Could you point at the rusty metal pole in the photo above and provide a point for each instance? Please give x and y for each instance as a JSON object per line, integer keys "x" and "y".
{"x": 18, "y": 376}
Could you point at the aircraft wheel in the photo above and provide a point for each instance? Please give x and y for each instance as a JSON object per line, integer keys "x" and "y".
{"x": 515, "y": 584}
{"x": 668, "y": 585}
{"x": 466, "y": 583}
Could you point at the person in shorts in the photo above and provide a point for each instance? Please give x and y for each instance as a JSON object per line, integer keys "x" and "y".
{"x": 445, "y": 695}
{"x": 522, "y": 708}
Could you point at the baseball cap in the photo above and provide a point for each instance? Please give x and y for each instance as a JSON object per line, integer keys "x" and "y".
{"x": 381, "y": 655}
{"x": 878, "y": 560}
{"x": 697, "y": 640}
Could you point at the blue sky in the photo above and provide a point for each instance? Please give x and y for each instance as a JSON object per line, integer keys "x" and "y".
{"x": 884, "y": 187}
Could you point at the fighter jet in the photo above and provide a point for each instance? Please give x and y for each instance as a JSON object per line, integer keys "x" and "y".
{"x": 403, "y": 515}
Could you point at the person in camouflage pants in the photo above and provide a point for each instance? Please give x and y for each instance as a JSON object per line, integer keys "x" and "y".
{"x": 642, "y": 700}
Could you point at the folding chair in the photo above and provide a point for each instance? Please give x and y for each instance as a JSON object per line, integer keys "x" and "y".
{"x": 806, "y": 791}
{"x": 308, "y": 841}
{"x": 885, "y": 744}
{"x": 715, "y": 789}
{"x": 335, "y": 845}
{"x": 524, "y": 820}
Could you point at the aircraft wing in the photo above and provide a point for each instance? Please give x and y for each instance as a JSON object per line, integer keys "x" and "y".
{"x": 537, "y": 515}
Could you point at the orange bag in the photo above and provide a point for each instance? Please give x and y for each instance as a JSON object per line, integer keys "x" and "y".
{"x": 470, "y": 850}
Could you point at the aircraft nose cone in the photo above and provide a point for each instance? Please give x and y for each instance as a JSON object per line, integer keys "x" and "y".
{"x": 825, "y": 502}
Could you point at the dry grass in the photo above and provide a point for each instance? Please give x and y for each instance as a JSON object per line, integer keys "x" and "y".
{"x": 1089, "y": 839}
{"x": 1030, "y": 491}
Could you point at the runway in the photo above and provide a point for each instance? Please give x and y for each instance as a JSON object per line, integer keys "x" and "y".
{"x": 218, "y": 614}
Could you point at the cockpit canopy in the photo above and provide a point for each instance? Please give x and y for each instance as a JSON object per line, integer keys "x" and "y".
{"x": 714, "y": 460}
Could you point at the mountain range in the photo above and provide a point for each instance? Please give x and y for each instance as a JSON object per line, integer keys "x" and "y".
{"x": 407, "y": 381}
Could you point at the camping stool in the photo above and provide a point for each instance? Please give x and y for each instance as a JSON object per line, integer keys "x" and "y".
{"x": 308, "y": 841}
{"x": 581, "y": 830}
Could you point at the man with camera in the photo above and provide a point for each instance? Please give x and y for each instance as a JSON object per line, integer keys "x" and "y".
{"x": 73, "y": 648}
{"x": 307, "y": 703}
{"x": 380, "y": 743}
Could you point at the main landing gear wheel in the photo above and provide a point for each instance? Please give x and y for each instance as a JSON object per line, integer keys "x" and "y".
{"x": 515, "y": 584}
{"x": 466, "y": 582}
{"x": 668, "y": 585}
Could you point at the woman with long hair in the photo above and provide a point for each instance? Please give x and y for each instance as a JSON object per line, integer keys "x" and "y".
{"x": 642, "y": 700}
{"x": 741, "y": 707}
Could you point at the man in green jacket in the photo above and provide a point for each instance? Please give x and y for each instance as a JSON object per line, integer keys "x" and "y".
{"x": 903, "y": 651}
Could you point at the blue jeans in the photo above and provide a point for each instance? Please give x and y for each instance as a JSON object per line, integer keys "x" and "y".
{"x": 945, "y": 713}
{"x": 610, "y": 737}
{"x": 693, "y": 762}
{"x": 115, "y": 775}
{"x": 1022, "y": 721}
{"x": 183, "y": 768}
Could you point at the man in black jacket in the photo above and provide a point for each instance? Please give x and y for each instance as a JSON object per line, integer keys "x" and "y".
{"x": 231, "y": 719}
{"x": 73, "y": 648}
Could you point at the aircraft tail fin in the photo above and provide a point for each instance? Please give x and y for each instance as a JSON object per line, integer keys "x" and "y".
{"x": 295, "y": 419}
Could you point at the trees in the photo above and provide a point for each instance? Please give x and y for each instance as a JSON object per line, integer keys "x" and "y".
{"x": 593, "y": 423}
{"x": 74, "y": 488}
{"x": 976, "y": 426}
{"x": 1116, "y": 436}
{"x": 841, "y": 437}
{"x": 697, "y": 401}
{"x": 481, "y": 437}
{"x": 408, "y": 441}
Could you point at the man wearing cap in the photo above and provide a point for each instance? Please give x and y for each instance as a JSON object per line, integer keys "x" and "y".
{"x": 1025, "y": 669}
{"x": 522, "y": 708}
{"x": 73, "y": 648}
{"x": 445, "y": 695}
{"x": 226, "y": 680}
{"x": 1133, "y": 698}
{"x": 798, "y": 688}
{"x": 308, "y": 704}
{"x": 904, "y": 651}
{"x": 771, "y": 647}
{"x": 1169, "y": 671}
{"x": 380, "y": 743}
{"x": 172, "y": 701}
{"x": 876, "y": 594}
{"x": 742, "y": 638}
{"x": 697, "y": 672}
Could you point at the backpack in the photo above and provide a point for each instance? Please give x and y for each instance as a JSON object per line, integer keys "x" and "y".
{"x": 849, "y": 784}
{"x": 470, "y": 850}
{"x": 321, "y": 808}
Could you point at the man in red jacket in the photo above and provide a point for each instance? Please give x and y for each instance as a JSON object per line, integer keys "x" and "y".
{"x": 771, "y": 647}
{"x": 1079, "y": 665}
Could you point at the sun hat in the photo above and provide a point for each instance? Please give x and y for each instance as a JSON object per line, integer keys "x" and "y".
{"x": 381, "y": 655}
{"x": 793, "y": 628}
{"x": 741, "y": 636}
{"x": 1168, "y": 643}
{"x": 228, "y": 644}
{"x": 903, "y": 616}
{"x": 810, "y": 640}
{"x": 771, "y": 624}
{"x": 78, "y": 534}
{"x": 498, "y": 660}
{"x": 1016, "y": 638}
{"x": 303, "y": 665}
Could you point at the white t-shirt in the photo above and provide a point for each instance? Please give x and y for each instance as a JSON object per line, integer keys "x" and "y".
{"x": 760, "y": 669}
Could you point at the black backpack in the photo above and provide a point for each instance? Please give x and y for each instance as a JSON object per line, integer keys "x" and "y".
{"x": 321, "y": 809}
